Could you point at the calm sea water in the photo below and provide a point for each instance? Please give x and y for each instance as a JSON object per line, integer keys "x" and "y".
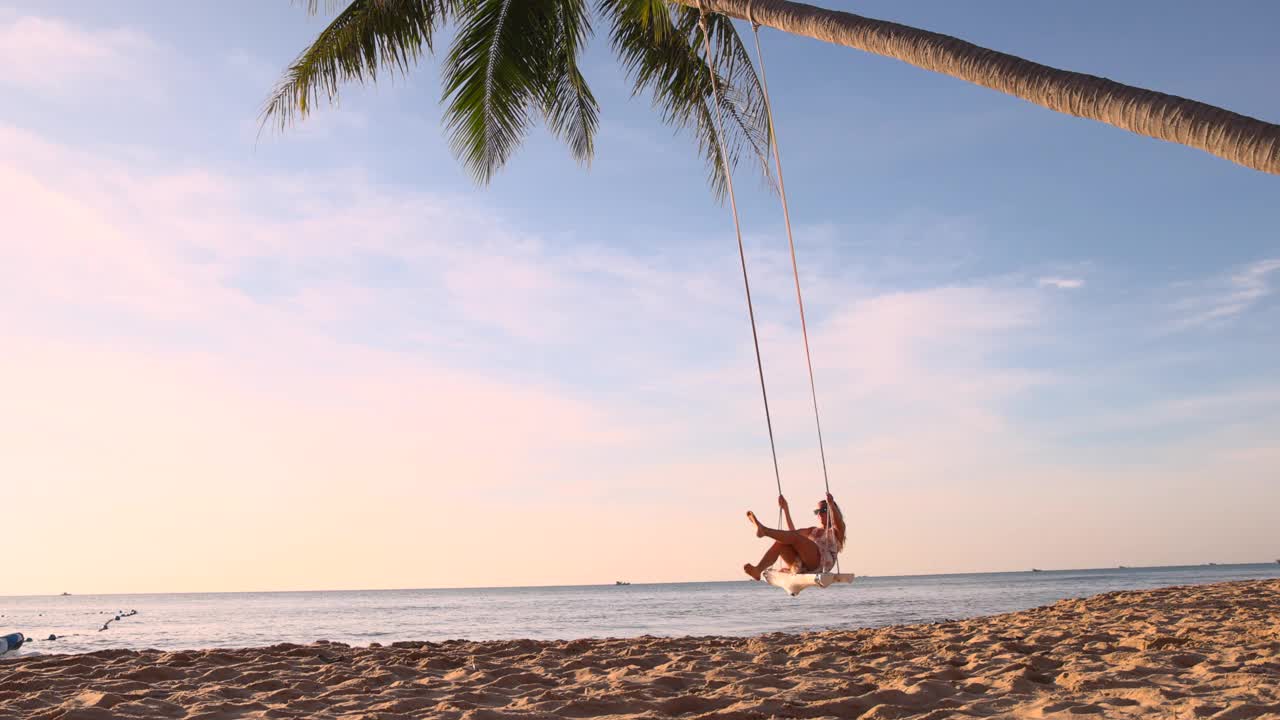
{"x": 183, "y": 621}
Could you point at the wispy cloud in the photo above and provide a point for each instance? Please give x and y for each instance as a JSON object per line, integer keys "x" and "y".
{"x": 1223, "y": 298}
{"x": 54, "y": 57}
{"x": 1061, "y": 283}
{"x": 1196, "y": 413}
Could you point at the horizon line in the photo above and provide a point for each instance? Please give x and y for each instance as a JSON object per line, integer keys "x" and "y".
{"x": 593, "y": 585}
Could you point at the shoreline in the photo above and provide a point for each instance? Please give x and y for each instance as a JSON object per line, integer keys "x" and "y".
{"x": 638, "y": 584}
{"x": 1194, "y": 650}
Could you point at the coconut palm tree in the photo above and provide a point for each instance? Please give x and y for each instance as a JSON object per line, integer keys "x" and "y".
{"x": 515, "y": 61}
{"x": 1238, "y": 138}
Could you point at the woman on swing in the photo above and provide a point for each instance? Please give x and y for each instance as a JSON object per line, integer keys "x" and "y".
{"x": 810, "y": 550}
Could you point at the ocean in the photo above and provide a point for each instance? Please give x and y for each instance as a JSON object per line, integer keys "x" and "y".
{"x": 208, "y": 620}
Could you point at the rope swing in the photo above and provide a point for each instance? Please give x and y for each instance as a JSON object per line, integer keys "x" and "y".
{"x": 795, "y": 265}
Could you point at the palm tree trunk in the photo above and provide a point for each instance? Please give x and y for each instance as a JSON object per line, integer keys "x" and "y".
{"x": 1238, "y": 138}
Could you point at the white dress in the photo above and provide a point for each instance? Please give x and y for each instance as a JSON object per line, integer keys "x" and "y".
{"x": 828, "y": 547}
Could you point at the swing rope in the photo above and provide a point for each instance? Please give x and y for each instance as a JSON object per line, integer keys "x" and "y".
{"x": 737, "y": 228}
{"x": 786, "y": 216}
{"x": 795, "y": 265}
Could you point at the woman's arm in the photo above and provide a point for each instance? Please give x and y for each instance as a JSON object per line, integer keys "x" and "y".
{"x": 786, "y": 512}
{"x": 837, "y": 517}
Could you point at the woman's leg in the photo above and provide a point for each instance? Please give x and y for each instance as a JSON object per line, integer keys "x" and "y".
{"x": 788, "y": 537}
{"x": 805, "y": 550}
{"x": 775, "y": 551}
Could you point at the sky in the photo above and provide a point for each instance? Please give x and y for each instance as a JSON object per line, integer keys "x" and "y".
{"x": 326, "y": 359}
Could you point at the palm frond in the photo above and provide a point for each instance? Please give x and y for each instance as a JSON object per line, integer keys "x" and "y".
{"x": 661, "y": 50}
{"x": 570, "y": 109}
{"x": 742, "y": 95}
{"x": 494, "y": 76}
{"x": 364, "y": 38}
{"x": 513, "y": 62}
{"x": 313, "y": 6}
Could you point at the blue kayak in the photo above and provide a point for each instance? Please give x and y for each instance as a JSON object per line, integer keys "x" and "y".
{"x": 11, "y": 642}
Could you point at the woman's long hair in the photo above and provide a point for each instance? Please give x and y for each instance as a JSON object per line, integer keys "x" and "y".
{"x": 839, "y": 527}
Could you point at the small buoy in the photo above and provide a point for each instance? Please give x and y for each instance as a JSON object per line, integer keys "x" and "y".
{"x": 52, "y": 637}
{"x": 11, "y": 642}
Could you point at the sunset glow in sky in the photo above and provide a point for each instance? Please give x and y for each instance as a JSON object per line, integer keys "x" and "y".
{"x": 325, "y": 359}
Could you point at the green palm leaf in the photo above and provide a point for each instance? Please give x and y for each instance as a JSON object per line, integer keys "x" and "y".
{"x": 368, "y": 35}
{"x": 491, "y": 79}
{"x": 514, "y": 62}
{"x": 569, "y": 107}
{"x": 660, "y": 47}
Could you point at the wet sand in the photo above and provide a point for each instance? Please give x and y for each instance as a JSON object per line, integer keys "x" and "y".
{"x": 1206, "y": 651}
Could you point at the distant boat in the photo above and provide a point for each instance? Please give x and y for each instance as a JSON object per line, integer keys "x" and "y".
{"x": 1213, "y": 563}
{"x": 1124, "y": 567}
{"x": 619, "y": 582}
{"x": 66, "y": 594}
{"x": 1036, "y": 570}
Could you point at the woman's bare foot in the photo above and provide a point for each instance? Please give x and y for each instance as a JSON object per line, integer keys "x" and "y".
{"x": 759, "y": 528}
{"x": 752, "y": 570}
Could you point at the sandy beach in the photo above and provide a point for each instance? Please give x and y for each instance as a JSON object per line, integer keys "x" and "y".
{"x": 1208, "y": 651}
